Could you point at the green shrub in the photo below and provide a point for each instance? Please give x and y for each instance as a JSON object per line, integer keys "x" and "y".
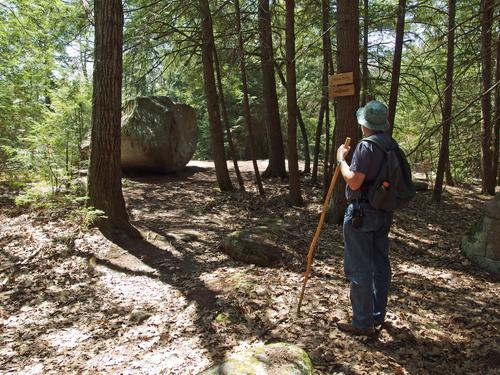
{"x": 87, "y": 216}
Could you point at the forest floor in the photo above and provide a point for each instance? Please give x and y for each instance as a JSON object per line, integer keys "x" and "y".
{"x": 72, "y": 301}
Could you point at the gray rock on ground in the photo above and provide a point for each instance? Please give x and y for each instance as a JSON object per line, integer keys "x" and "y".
{"x": 271, "y": 359}
{"x": 421, "y": 185}
{"x": 158, "y": 135}
{"x": 256, "y": 245}
{"x": 481, "y": 243}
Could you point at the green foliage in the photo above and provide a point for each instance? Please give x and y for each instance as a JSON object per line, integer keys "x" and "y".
{"x": 223, "y": 318}
{"x": 87, "y": 216}
{"x": 44, "y": 99}
{"x": 45, "y": 95}
{"x": 421, "y": 94}
{"x": 42, "y": 196}
{"x": 33, "y": 197}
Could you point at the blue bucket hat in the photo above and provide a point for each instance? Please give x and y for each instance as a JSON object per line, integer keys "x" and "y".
{"x": 373, "y": 116}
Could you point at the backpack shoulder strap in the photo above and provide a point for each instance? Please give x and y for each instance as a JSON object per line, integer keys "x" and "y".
{"x": 365, "y": 187}
{"x": 374, "y": 139}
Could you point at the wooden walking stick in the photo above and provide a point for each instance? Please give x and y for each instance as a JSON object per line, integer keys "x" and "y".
{"x": 318, "y": 229}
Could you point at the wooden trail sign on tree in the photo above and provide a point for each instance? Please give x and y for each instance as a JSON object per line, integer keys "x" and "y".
{"x": 341, "y": 84}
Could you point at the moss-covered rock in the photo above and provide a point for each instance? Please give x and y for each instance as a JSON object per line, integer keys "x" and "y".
{"x": 276, "y": 359}
{"x": 481, "y": 243}
{"x": 251, "y": 248}
{"x": 158, "y": 135}
{"x": 256, "y": 245}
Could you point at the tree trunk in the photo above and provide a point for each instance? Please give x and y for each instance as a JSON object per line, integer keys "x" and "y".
{"x": 448, "y": 95}
{"x": 364, "y": 75}
{"x": 67, "y": 169}
{"x": 488, "y": 183}
{"x": 276, "y": 167}
{"x": 302, "y": 126}
{"x": 246, "y": 104}
{"x": 319, "y": 128}
{"x": 216, "y": 134}
{"x": 79, "y": 112}
{"x": 104, "y": 180}
{"x": 396, "y": 64}
{"x": 328, "y": 66}
{"x": 225, "y": 118}
{"x": 447, "y": 172}
{"x": 305, "y": 140}
{"x": 331, "y": 162}
{"x": 496, "y": 132}
{"x": 291, "y": 104}
{"x": 346, "y": 122}
{"x": 326, "y": 160}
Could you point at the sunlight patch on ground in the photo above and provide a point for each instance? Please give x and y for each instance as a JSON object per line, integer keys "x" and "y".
{"x": 164, "y": 360}
{"x": 66, "y": 338}
{"x": 37, "y": 236}
{"x": 33, "y": 369}
{"x": 138, "y": 291}
{"x": 438, "y": 276}
{"x": 444, "y": 313}
{"x": 143, "y": 346}
{"x": 414, "y": 240}
{"x": 30, "y": 314}
{"x": 30, "y": 320}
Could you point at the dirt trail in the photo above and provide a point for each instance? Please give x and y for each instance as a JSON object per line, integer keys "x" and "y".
{"x": 74, "y": 302}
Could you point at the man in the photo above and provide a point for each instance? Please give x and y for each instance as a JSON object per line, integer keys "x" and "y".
{"x": 366, "y": 230}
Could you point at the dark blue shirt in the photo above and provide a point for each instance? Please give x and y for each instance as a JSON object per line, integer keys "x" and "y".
{"x": 367, "y": 159}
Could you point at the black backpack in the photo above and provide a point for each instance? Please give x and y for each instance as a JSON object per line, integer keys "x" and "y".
{"x": 393, "y": 187}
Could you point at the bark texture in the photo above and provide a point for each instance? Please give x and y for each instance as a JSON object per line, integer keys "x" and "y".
{"x": 396, "y": 64}
{"x": 246, "y": 103}
{"x": 364, "y": 74}
{"x": 291, "y": 103}
{"x": 216, "y": 134}
{"x": 488, "y": 182}
{"x": 346, "y": 123}
{"x": 448, "y": 92}
{"x": 227, "y": 126}
{"x": 104, "y": 180}
{"x": 276, "y": 167}
{"x": 496, "y": 131}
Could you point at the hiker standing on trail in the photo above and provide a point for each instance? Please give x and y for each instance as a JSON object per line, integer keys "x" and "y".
{"x": 366, "y": 229}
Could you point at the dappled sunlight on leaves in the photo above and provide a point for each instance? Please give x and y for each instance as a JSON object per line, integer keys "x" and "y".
{"x": 174, "y": 303}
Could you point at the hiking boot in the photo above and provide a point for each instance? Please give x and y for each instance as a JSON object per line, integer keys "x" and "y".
{"x": 387, "y": 325}
{"x": 347, "y": 327}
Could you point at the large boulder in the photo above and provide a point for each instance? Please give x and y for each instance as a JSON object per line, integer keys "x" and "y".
{"x": 481, "y": 243}
{"x": 158, "y": 135}
{"x": 271, "y": 359}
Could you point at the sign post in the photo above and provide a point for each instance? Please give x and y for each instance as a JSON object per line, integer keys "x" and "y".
{"x": 341, "y": 84}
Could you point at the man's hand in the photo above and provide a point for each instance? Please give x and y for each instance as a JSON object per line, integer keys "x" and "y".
{"x": 342, "y": 152}
{"x": 353, "y": 179}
